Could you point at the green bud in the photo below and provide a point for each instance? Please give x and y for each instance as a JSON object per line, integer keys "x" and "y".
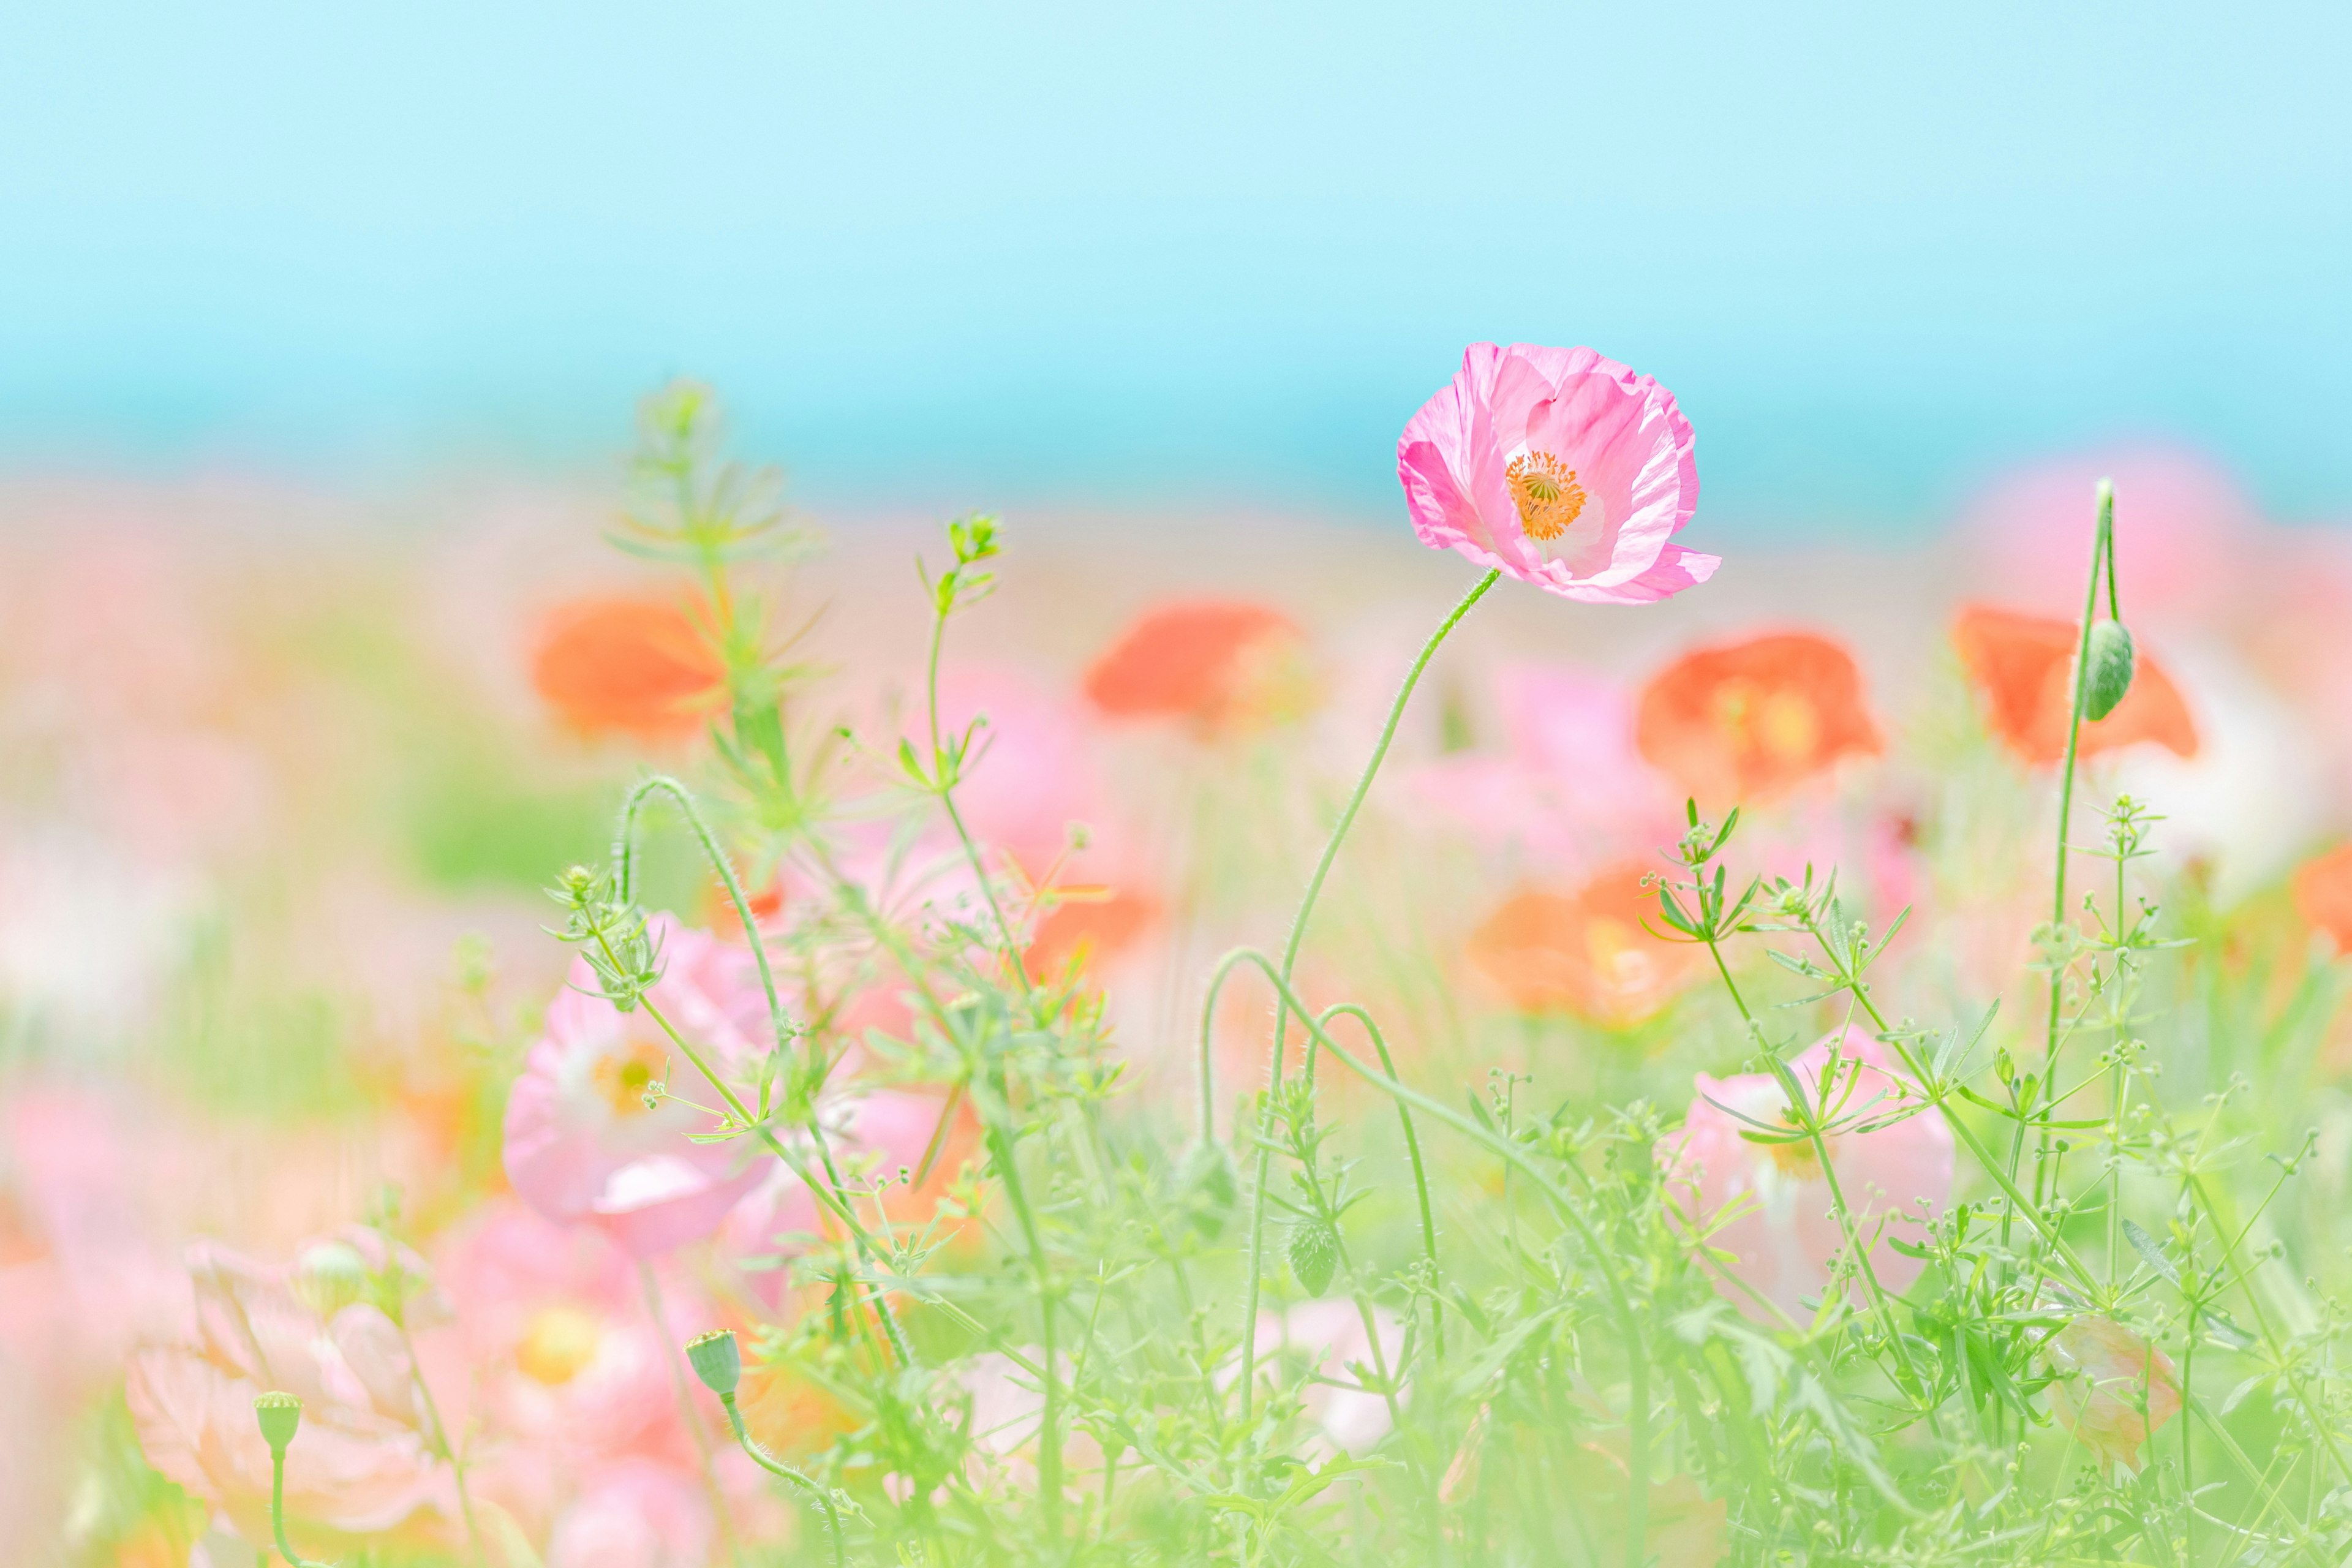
{"x": 716, "y": 1360}
{"x": 1314, "y": 1255}
{"x": 332, "y": 1275}
{"x": 279, "y": 1414}
{"x": 2107, "y": 673}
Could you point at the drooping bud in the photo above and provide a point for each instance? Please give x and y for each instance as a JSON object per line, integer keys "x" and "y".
{"x": 716, "y": 1360}
{"x": 1314, "y": 1255}
{"x": 279, "y": 1414}
{"x": 2107, "y": 671}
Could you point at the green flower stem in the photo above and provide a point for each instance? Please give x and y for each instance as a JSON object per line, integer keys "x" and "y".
{"x": 2100, "y": 556}
{"x": 1412, "y": 1149}
{"x": 945, "y": 788}
{"x": 1637, "y": 1371}
{"x": 1290, "y": 961}
{"x": 278, "y": 1511}
{"x": 775, "y": 1467}
{"x": 728, "y": 1543}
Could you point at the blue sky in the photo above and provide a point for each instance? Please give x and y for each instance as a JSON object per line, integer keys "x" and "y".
{"x": 994, "y": 254}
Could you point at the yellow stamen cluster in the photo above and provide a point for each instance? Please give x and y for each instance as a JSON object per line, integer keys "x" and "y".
{"x": 1545, "y": 490}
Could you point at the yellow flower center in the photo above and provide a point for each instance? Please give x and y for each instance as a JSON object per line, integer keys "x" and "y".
{"x": 1545, "y": 490}
{"x": 1780, "y": 724}
{"x": 625, "y": 1076}
{"x": 559, "y": 1342}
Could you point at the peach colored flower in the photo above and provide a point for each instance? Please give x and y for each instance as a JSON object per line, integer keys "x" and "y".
{"x": 1783, "y": 1234}
{"x": 1220, "y": 665}
{"x": 362, "y": 1467}
{"x": 1584, "y": 952}
{"x": 1746, "y": 722}
{"x": 1098, "y": 924}
{"x": 581, "y": 1143}
{"x": 636, "y": 1513}
{"x": 1560, "y": 467}
{"x": 2106, "y": 1374}
{"x": 2023, "y": 668}
{"x": 2323, "y": 894}
{"x": 631, "y": 666}
{"x": 564, "y": 1356}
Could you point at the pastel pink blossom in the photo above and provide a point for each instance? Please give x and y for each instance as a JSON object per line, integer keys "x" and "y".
{"x": 634, "y": 1513}
{"x": 363, "y": 1466}
{"x": 2114, "y": 1390}
{"x": 1560, "y": 467}
{"x": 581, "y": 1144}
{"x": 1783, "y": 1233}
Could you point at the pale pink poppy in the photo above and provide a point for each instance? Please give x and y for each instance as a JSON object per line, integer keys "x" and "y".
{"x": 1772, "y": 1198}
{"x": 581, "y": 1142}
{"x": 634, "y": 1513}
{"x": 1560, "y": 467}
{"x": 2114, "y": 1390}
{"x": 363, "y": 1465}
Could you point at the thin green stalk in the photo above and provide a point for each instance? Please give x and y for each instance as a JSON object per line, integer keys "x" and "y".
{"x": 1290, "y": 961}
{"x": 1412, "y": 1151}
{"x": 278, "y": 1513}
{"x": 728, "y": 1542}
{"x": 775, "y": 1467}
{"x": 2100, "y": 549}
{"x": 946, "y": 792}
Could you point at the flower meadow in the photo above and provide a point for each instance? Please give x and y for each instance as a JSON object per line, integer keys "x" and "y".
{"x": 619, "y": 1034}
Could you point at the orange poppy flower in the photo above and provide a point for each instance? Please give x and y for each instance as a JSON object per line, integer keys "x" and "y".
{"x": 633, "y": 667}
{"x": 1585, "y": 953}
{"x": 2323, "y": 894}
{"x": 1221, "y": 664}
{"x": 1085, "y": 930}
{"x": 2023, "y": 668}
{"x": 1750, "y": 719}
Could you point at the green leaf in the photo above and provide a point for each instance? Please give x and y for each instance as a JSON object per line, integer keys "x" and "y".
{"x": 2144, "y": 1244}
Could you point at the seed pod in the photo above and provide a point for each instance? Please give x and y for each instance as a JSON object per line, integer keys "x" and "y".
{"x": 716, "y": 1360}
{"x": 2108, "y": 674}
{"x": 279, "y": 1414}
{"x": 1314, "y": 1255}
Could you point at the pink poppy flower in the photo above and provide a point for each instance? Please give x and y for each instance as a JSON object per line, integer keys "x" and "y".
{"x": 2114, "y": 1390}
{"x": 564, "y": 1351}
{"x": 1782, "y": 1234}
{"x": 581, "y": 1143}
{"x": 363, "y": 1466}
{"x": 1560, "y": 467}
{"x": 636, "y": 1514}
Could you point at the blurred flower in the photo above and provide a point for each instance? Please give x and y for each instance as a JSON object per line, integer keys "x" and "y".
{"x": 363, "y": 1467}
{"x": 2106, "y": 1376}
{"x": 2023, "y": 668}
{"x": 1749, "y": 720}
{"x": 1560, "y": 467}
{"x": 1783, "y": 1233}
{"x": 559, "y": 1342}
{"x": 582, "y": 1143}
{"x": 1329, "y": 1337}
{"x": 2323, "y": 894}
{"x": 634, "y": 1513}
{"x": 1086, "y": 925}
{"x": 1584, "y": 952}
{"x": 1221, "y": 665}
{"x": 1567, "y": 784}
{"x": 631, "y": 666}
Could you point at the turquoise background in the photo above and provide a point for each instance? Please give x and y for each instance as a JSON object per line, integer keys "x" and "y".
{"x": 962, "y": 254}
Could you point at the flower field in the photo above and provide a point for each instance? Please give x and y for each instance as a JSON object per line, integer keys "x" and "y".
{"x": 626, "y": 1027}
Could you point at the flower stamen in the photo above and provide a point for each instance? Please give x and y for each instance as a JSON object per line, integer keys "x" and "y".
{"x": 1545, "y": 492}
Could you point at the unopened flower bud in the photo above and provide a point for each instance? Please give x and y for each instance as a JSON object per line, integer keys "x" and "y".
{"x": 279, "y": 1414}
{"x": 1314, "y": 1255}
{"x": 716, "y": 1360}
{"x": 332, "y": 1275}
{"x": 2108, "y": 672}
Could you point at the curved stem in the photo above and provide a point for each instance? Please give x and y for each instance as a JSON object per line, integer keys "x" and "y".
{"x": 278, "y": 1513}
{"x": 1283, "y": 1002}
{"x": 1637, "y": 1368}
{"x": 1412, "y": 1151}
{"x": 775, "y": 1467}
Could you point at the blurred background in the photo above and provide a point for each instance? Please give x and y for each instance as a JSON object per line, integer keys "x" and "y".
{"x": 321, "y": 331}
